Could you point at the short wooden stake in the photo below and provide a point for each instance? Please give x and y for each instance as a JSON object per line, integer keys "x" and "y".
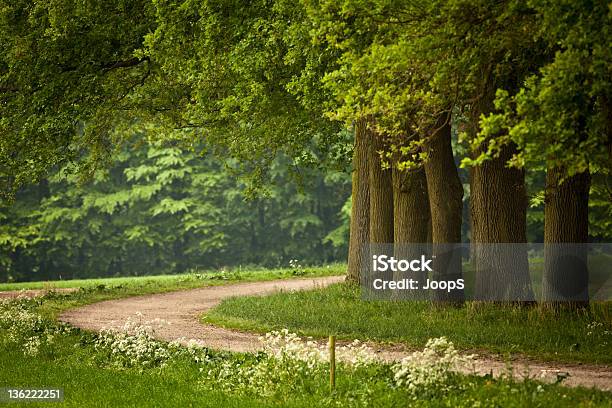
{"x": 332, "y": 363}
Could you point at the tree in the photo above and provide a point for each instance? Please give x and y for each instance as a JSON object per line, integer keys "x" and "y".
{"x": 399, "y": 205}
{"x": 161, "y": 209}
{"x": 408, "y": 67}
{"x": 234, "y": 72}
{"x": 66, "y": 71}
{"x": 258, "y": 81}
{"x": 495, "y": 54}
{"x": 561, "y": 114}
{"x": 360, "y": 208}
{"x": 75, "y": 72}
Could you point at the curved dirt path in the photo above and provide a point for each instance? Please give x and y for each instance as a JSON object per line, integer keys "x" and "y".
{"x": 181, "y": 310}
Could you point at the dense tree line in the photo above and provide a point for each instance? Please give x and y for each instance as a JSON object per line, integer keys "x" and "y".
{"x": 161, "y": 209}
{"x": 525, "y": 86}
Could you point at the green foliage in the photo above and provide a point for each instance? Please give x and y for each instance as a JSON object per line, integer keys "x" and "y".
{"x": 268, "y": 85}
{"x": 404, "y": 65}
{"x": 533, "y": 75}
{"x": 600, "y": 207}
{"x": 561, "y": 113}
{"x": 160, "y": 209}
{"x": 65, "y": 70}
{"x": 221, "y": 71}
{"x": 230, "y": 79}
{"x": 338, "y": 237}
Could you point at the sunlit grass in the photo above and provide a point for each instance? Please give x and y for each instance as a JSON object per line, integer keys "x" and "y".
{"x": 73, "y": 363}
{"x": 506, "y": 330}
{"x": 181, "y": 279}
{"x": 96, "y": 290}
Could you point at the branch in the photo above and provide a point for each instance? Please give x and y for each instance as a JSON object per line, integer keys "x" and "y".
{"x": 132, "y": 62}
{"x": 8, "y": 89}
{"x": 125, "y": 63}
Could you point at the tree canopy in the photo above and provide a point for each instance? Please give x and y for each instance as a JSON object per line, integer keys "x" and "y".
{"x": 508, "y": 90}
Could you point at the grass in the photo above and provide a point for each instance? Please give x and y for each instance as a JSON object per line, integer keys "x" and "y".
{"x": 93, "y": 282}
{"x": 179, "y": 281}
{"x": 97, "y": 290}
{"x": 74, "y": 364}
{"x": 86, "y": 385}
{"x": 180, "y": 385}
{"x": 339, "y": 309}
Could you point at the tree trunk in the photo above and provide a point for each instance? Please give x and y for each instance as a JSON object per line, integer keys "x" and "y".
{"x": 381, "y": 196}
{"x": 360, "y": 209}
{"x": 446, "y": 206}
{"x": 411, "y": 224}
{"x": 410, "y": 207}
{"x": 444, "y": 187}
{"x": 499, "y": 215}
{"x": 566, "y": 232}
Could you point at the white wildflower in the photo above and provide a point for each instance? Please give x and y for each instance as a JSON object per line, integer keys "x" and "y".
{"x": 431, "y": 368}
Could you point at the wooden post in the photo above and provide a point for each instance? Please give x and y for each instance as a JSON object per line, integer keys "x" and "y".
{"x": 332, "y": 363}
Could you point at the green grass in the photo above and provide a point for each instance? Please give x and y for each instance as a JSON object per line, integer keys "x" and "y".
{"x": 97, "y": 290}
{"x": 86, "y": 385}
{"x": 71, "y": 366}
{"x": 339, "y": 309}
{"x": 88, "y": 283}
{"x": 73, "y": 363}
{"x": 186, "y": 280}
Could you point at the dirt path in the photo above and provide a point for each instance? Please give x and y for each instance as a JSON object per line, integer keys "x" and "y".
{"x": 181, "y": 310}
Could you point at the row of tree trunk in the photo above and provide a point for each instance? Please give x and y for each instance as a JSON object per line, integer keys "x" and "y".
{"x": 425, "y": 206}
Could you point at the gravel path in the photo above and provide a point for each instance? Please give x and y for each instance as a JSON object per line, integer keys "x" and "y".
{"x": 181, "y": 310}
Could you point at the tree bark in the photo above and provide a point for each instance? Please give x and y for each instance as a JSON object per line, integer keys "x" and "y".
{"x": 381, "y": 196}
{"x": 498, "y": 212}
{"x": 446, "y": 206}
{"x": 360, "y": 209}
{"x": 410, "y": 207}
{"x": 444, "y": 187}
{"x": 566, "y": 231}
{"x": 411, "y": 223}
{"x": 498, "y": 217}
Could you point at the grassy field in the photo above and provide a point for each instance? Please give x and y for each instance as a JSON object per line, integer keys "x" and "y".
{"x": 96, "y": 376}
{"x": 506, "y": 330}
{"x": 89, "y": 283}
{"x": 180, "y": 281}
{"x": 181, "y": 383}
{"x": 97, "y": 290}
{"x": 86, "y": 385}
